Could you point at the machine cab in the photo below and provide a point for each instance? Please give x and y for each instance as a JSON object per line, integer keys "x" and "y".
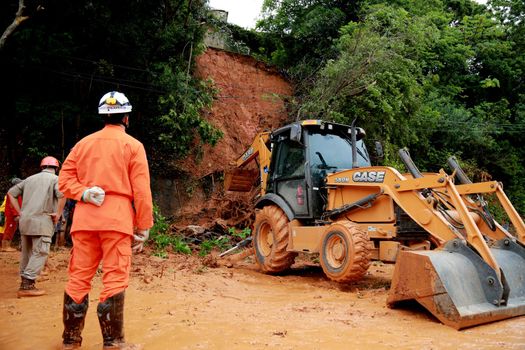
{"x": 303, "y": 153}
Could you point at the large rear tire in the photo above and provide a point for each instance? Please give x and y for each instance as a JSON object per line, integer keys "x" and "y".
{"x": 345, "y": 254}
{"x": 271, "y": 240}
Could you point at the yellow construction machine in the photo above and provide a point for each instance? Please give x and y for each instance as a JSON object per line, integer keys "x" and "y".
{"x": 320, "y": 194}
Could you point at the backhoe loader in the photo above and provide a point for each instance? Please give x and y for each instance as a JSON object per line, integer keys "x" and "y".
{"x": 320, "y": 194}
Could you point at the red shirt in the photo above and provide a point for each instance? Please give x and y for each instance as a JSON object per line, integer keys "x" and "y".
{"x": 10, "y": 212}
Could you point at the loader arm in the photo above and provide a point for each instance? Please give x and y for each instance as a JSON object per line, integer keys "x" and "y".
{"x": 474, "y": 235}
{"x": 257, "y": 148}
{"x": 496, "y": 187}
{"x": 467, "y": 189}
{"x": 407, "y": 193}
{"x": 239, "y": 180}
{"x": 514, "y": 217}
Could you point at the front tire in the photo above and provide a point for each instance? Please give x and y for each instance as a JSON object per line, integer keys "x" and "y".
{"x": 271, "y": 240}
{"x": 345, "y": 256}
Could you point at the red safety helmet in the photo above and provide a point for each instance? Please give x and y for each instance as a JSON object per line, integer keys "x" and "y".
{"x": 49, "y": 161}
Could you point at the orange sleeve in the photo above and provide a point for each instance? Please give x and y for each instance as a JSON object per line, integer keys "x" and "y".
{"x": 68, "y": 182}
{"x": 140, "y": 184}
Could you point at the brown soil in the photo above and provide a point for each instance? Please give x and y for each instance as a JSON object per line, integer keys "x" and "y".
{"x": 251, "y": 98}
{"x": 182, "y": 303}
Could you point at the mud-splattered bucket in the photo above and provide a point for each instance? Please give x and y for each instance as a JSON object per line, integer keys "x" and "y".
{"x": 458, "y": 287}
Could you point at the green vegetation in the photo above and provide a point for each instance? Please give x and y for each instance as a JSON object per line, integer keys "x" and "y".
{"x": 207, "y": 246}
{"x": 161, "y": 238}
{"x": 441, "y": 77}
{"x": 242, "y": 234}
{"x": 65, "y": 56}
{"x": 223, "y": 243}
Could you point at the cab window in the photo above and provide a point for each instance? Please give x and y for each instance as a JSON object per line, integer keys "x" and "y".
{"x": 290, "y": 162}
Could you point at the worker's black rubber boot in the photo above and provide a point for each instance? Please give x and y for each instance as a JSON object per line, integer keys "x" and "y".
{"x": 73, "y": 315}
{"x": 111, "y": 318}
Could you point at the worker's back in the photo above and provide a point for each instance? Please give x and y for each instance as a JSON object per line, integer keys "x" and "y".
{"x": 40, "y": 196}
{"x": 115, "y": 162}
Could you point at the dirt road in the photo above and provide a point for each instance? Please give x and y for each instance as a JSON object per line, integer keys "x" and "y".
{"x": 179, "y": 303}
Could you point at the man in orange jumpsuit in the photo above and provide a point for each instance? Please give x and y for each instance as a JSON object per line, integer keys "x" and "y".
{"x": 107, "y": 174}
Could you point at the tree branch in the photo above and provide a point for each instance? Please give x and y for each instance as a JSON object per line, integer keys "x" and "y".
{"x": 19, "y": 18}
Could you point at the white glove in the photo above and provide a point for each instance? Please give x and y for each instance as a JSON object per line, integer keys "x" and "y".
{"x": 139, "y": 237}
{"x": 94, "y": 195}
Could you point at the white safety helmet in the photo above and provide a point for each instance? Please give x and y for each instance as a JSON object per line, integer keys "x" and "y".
{"x": 114, "y": 102}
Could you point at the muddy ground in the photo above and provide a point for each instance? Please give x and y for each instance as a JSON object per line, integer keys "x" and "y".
{"x": 180, "y": 303}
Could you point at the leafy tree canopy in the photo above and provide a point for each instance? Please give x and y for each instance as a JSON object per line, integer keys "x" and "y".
{"x": 441, "y": 77}
{"x": 60, "y": 61}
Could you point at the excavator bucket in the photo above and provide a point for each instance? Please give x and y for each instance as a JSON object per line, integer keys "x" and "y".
{"x": 240, "y": 180}
{"x": 458, "y": 287}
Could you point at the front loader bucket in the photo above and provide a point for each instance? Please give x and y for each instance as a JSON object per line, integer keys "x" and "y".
{"x": 458, "y": 287}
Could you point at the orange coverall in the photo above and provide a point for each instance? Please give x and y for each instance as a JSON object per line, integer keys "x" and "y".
{"x": 115, "y": 162}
